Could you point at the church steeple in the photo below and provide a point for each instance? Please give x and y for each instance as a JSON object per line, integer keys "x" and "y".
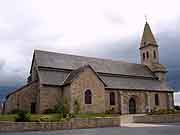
{"x": 150, "y": 54}
{"x": 148, "y": 47}
{"x": 148, "y": 37}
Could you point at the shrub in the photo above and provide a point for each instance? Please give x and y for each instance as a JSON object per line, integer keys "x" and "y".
{"x": 70, "y": 115}
{"x": 62, "y": 108}
{"x": 23, "y": 116}
{"x": 76, "y": 107}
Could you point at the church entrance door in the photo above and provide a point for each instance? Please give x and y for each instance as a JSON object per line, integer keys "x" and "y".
{"x": 132, "y": 106}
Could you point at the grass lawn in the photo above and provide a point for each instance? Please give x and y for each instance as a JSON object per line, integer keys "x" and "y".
{"x": 7, "y": 117}
{"x": 34, "y": 117}
{"x": 52, "y": 117}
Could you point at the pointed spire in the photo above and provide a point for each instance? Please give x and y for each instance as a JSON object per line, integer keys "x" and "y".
{"x": 148, "y": 37}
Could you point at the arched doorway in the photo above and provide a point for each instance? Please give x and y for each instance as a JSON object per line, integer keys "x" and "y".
{"x": 132, "y": 106}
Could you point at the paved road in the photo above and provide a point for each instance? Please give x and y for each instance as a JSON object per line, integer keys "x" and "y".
{"x": 165, "y": 129}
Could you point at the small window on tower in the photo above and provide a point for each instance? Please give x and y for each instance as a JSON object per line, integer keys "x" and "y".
{"x": 147, "y": 54}
{"x": 144, "y": 56}
{"x": 154, "y": 54}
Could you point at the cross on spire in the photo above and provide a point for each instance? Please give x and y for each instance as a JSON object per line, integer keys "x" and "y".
{"x": 146, "y": 17}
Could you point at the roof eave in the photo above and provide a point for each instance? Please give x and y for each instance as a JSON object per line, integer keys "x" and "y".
{"x": 128, "y": 89}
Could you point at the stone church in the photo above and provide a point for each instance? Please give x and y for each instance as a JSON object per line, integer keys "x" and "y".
{"x": 98, "y": 85}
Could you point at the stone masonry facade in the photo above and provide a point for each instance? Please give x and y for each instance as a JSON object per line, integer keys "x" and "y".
{"x": 145, "y": 101}
{"x": 97, "y": 85}
{"x": 46, "y": 97}
{"x": 81, "y": 84}
{"x": 22, "y": 98}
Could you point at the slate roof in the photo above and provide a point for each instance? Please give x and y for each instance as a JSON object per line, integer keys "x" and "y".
{"x": 52, "y": 77}
{"x": 135, "y": 83}
{"x": 73, "y": 74}
{"x": 71, "y": 62}
{"x": 114, "y": 74}
{"x": 148, "y": 37}
{"x": 58, "y": 78}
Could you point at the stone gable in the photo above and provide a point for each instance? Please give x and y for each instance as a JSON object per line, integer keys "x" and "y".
{"x": 22, "y": 98}
{"x": 88, "y": 80}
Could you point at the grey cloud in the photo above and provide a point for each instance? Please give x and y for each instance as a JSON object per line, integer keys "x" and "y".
{"x": 126, "y": 49}
{"x": 2, "y": 64}
{"x": 22, "y": 34}
{"x": 169, "y": 47}
{"x": 19, "y": 33}
{"x": 11, "y": 78}
{"x": 169, "y": 42}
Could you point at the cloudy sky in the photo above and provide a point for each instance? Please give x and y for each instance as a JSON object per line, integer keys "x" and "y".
{"x": 99, "y": 28}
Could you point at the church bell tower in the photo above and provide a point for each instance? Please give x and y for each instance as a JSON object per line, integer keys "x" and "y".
{"x": 149, "y": 53}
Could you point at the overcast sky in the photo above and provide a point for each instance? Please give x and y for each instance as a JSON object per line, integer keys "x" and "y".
{"x": 99, "y": 28}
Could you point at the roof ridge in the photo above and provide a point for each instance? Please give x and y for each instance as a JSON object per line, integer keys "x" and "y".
{"x": 69, "y": 61}
{"x": 69, "y": 78}
{"x": 88, "y": 57}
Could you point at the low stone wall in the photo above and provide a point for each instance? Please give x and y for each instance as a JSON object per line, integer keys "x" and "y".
{"x": 164, "y": 118}
{"x": 71, "y": 124}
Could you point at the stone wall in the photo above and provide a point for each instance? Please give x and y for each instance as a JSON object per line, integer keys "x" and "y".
{"x": 88, "y": 80}
{"x": 122, "y": 98}
{"x": 139, "y": 98}
{"x": 22, "y": 98}
{"x": 163, "y": 118}
{"x": 67, "y": 96}
{"x": 145, "y": 100}
{"x": 72, "y": 124}
{"x": 117, "y": 105}
{"x": 163, "y": 100}
{"x": 49, "y": 97}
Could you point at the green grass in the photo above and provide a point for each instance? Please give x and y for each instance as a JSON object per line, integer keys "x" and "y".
{"x": 7, "y": 117}
{"x": 52, "y": 117}
{"x": 34, "y": 117}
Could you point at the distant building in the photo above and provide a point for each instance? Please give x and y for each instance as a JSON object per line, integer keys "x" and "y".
{"x": 98, "y": 85}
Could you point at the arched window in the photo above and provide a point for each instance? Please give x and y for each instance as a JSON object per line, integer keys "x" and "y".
{"x": 156, "y": 99}
{"x": 112, "y": 98}
{"x": 147, "y": 54}
{"x": 154, "y": 54}
{"x": 144, "y": 56}
{"x": 88, "y": 97}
